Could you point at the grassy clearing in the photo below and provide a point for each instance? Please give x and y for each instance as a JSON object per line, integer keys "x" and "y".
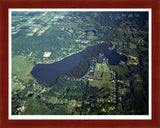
{"x": 22, "y": 68}
{"x": 91, "y": 35}
{"x": 101, "y": 67}
{"x": 133, "y": 46}
{"x": 102, "y": 76}
{"x": 36, "y": 107}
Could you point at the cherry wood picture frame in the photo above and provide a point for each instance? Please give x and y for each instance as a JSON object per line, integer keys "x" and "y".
{"x": 108, "y": 4}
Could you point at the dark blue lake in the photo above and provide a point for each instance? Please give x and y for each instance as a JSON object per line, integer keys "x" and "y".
{"x": 75, "y": 65}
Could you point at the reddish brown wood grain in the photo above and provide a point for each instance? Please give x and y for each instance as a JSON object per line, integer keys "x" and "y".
{"x": 6, "y": 4}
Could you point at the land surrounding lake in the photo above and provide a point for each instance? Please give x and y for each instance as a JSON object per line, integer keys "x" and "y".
{"x": 48, "y": 74}
{"x": 79, "y": 63}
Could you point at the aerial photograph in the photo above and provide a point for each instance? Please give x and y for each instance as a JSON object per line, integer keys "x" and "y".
{"x": 79, "y": 62}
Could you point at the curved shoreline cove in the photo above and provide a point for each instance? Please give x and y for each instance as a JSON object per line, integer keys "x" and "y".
{"x": 75, "y": 65}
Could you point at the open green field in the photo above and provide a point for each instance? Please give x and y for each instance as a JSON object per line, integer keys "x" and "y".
{"x": 36, "y": 107}
{"x": 22, "y": 68}
{"x": 101, "y": 67}
{"x": 91, "y": 35}
{"x": 102, "y": 76}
